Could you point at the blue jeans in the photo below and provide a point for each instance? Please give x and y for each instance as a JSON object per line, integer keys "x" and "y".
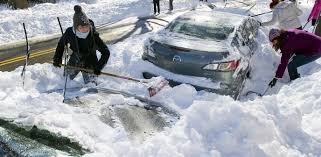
{"x": 88, "y": 77}
{"x": 299, "y": 60}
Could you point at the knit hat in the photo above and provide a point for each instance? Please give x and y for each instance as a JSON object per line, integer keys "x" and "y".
{"x": 274, "y": 33}
{"x": 80, "y": 18}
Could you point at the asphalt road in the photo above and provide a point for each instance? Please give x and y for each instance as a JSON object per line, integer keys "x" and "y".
{"x": 41, "y": 52}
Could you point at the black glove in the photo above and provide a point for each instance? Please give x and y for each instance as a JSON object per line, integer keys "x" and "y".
{"x": 260, "y": 23}
{"x": 313, "y": 21}
{"x": 273, "y": 82}
{"x": 97, "y": 71}
{"x": 56, "y": 64}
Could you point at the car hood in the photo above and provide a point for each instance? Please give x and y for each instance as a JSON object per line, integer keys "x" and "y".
{"x": 188, "y": 42}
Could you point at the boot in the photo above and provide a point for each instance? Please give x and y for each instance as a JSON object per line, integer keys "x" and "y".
{"x": 295, "y": 76}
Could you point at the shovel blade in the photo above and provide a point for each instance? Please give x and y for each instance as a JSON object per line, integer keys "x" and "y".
{"x": 153, "y": 90}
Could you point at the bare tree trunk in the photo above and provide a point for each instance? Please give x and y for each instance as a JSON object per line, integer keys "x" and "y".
{"x": 19, "y": 4}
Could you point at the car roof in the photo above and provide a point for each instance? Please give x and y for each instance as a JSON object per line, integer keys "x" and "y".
{"x": 214, "y": 17}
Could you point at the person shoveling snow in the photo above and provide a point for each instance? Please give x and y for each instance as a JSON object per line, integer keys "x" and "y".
{"x": 303, "y": 47}
{"x": 286, "y": 14}
{"x": 84, "y": 41}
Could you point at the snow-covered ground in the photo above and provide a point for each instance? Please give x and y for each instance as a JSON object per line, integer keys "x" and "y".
{"x": 284, "y": 123}
{"x": 41, "y": 20}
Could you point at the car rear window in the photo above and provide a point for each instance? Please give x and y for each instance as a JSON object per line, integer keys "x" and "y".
{"x": 201, "y": 29}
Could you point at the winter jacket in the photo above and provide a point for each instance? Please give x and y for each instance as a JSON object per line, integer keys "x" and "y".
{"x": 286, "y": 14}
{"x": 315, "y": 10}
{"x": 86, "y": 55}
{"x": 297, "y": 42}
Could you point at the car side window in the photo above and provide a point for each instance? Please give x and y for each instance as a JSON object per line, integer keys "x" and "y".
{"x": 240, "y": 36}
{"x": 245, "y": 35}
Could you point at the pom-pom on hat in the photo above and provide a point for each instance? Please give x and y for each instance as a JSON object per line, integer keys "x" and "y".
{"x": 80, "y": 18}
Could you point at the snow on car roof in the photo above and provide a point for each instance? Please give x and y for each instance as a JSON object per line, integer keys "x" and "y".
{"x": 216, "y": 17}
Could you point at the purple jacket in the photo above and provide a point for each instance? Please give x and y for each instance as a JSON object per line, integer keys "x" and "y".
{"x": 315, "y": 11}
{"x": 297, "y": 42}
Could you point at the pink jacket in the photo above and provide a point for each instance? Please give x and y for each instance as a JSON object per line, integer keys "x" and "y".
{"x": 315, "y": 11}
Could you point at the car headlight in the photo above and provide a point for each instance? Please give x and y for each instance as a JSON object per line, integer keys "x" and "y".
{"x": 226, "y": 66}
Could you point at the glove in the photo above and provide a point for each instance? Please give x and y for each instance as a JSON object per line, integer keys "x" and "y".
{"x": 314, "y": 21}
{"x": 97, "y": 71}
{"x": 273, "y": 82}
{"x": 260, "y": 23}
{"x": 56, "y": 64}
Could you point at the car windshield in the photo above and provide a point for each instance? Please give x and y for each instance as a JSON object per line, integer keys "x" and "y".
{"x": 201, "y": 29}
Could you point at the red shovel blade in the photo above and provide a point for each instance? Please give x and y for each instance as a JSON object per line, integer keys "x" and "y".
{"x": 153, "y": 90}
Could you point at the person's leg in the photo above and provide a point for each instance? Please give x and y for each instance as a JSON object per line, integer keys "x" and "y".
{"x": 171, "y": 5}
{"x": 72, "y": 72}
{"x": 89, "y": 78}
{"x": 298, "y": 61}
{"x": 158, "y": 7}
{"x": 154, "y": 7}
{"x": 90, "y": 63}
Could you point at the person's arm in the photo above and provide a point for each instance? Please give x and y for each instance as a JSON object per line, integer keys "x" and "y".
{"x": 60, "y": 49}
{"x": 315, "y": 10}
{"x": 283, "y": 64}
{"x": 272, "y": 21}
{"x": 103, "y": 49}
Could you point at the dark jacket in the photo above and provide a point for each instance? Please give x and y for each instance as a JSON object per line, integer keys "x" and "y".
{"x": 86, "y": 55}
{"x": 297, "y": 42}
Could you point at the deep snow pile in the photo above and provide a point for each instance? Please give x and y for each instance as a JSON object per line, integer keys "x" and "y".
{"x": 284, "y": 123}
{"x": 281, "y": 124}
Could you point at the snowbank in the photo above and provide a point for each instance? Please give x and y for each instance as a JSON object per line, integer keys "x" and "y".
{"x": 284, "y": 123}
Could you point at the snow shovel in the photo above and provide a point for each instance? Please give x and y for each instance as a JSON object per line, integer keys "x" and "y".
{"x": 259, "y": 94}
{"x": 305, "y": 24}
{"x": 153, "y": 88}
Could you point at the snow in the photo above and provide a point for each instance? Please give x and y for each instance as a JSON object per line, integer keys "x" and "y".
{"x": 189, "y": 42}
{"x": 283, "y": 123}
{"x": 40, "y": 20}
{"x": 209, "y": 19}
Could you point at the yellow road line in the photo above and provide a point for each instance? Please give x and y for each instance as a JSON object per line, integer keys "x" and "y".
{"x": 24, "y": 56}
{"x": 21, "y": 58}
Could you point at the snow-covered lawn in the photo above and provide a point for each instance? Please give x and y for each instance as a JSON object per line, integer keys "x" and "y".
{"x": 284, "y": 123}
{"x": 42, "y": 18}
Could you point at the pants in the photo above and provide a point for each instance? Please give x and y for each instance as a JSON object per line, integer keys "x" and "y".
{"x": 299, "y": 60}
{"x": 171, "y": 5}
{"x": 156, "y": 7}
{"x": 73, "y": 61}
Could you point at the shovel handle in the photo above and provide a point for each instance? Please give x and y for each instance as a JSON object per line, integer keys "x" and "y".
{"x": 261, "y": 13}
{"x": 102, "y": 73}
